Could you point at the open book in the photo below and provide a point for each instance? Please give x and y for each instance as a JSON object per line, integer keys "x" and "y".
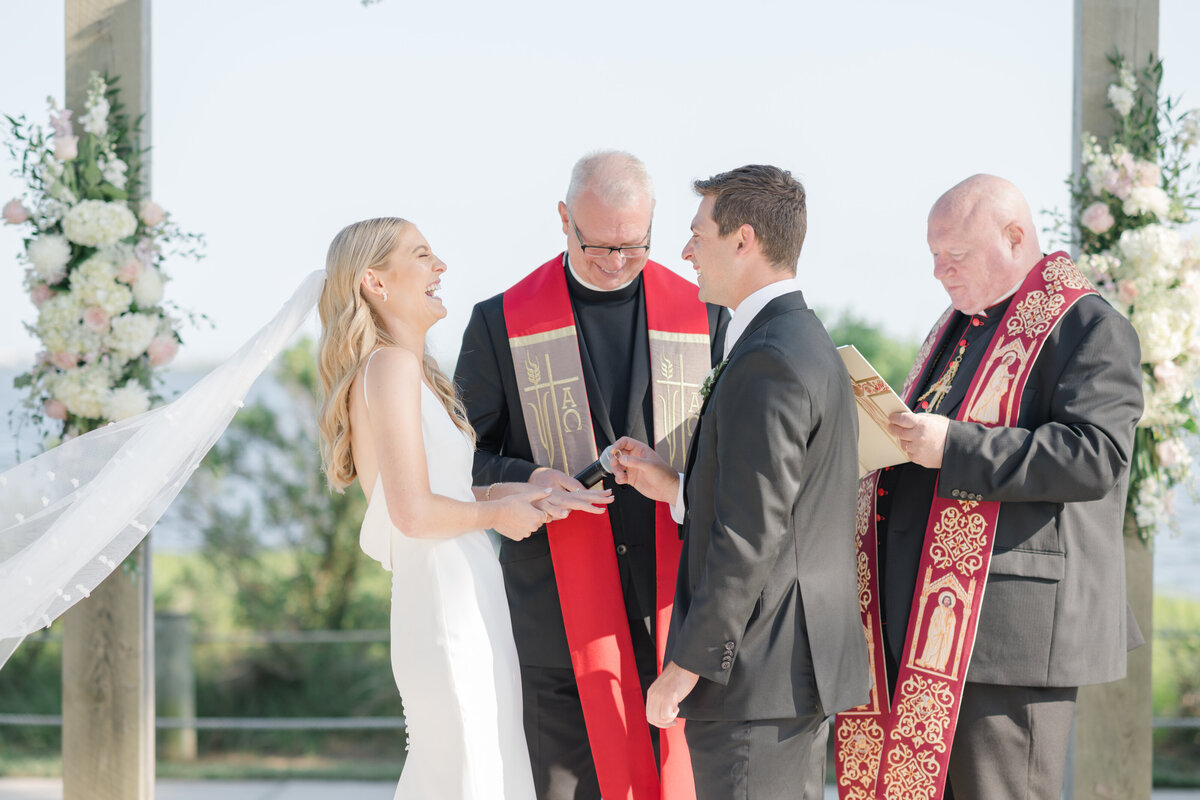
{"x": 876, "y": 402}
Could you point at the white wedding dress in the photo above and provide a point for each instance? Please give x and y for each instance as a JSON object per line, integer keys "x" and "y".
{"x": 452, "y": 644}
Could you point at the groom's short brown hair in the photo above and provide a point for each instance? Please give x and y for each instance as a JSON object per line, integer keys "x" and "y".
{"x": 767, "y": 199}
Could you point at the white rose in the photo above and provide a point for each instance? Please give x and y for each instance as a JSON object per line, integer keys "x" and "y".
{"x": 127, "y": 401}
{"x": 1121, "y": 99}
{"x": 132, "y": 334}
{"x": 1147, "y": 200}
{"x": 49, "y": 255}
{"x": 148, "y": 290}
{"x": 95, "y": 223}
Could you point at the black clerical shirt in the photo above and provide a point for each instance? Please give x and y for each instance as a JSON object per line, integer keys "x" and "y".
{"x": 906, "y": 491}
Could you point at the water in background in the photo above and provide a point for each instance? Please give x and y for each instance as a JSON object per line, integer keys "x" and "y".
{"x": 1176, "y": 556}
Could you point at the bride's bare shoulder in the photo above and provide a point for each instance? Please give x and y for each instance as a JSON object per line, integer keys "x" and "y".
{"x": 389, "y": 368}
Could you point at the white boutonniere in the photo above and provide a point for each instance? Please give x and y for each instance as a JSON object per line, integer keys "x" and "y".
{"x": 710, "y": 379}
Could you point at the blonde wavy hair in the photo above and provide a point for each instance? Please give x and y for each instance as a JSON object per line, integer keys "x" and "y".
{"x": 350, "y": 331}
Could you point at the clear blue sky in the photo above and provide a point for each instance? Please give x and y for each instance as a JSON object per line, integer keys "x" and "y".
{"x": 274, "y": 128}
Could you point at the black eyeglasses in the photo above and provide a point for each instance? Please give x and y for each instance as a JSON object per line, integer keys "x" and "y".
{"x": 632, "y": 251}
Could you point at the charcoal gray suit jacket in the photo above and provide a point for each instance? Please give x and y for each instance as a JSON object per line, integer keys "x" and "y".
{"x": 1054, "y": 611}
{"x": 766, "y": 608}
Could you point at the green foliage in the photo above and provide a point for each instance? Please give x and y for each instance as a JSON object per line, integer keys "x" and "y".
{"x": 1176, "y": 689}
{"x": 891, "y": 358}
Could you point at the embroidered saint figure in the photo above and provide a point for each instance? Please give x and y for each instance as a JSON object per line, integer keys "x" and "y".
{"x": 939, "y": 637}
{"x": 987, "y": 407}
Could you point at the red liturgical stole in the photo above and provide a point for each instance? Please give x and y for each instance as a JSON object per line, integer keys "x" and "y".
{"x": 901, "y": 749}
{"x": 545, "y": 352}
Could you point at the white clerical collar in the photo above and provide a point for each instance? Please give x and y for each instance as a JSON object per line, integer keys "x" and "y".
{"x": 587, "y": 285}
{"x": 1001, "y": 298}
{"x": 754, "y": 303}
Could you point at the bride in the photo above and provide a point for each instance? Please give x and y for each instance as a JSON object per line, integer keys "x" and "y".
{"x": 391, "y": 420}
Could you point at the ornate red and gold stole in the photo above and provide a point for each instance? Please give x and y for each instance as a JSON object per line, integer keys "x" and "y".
{"x": 545, "y": 353}
{"x": 901, "y": 749}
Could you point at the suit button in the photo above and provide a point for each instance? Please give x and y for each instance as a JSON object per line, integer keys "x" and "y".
{"x": 622, "y": 549}
{"x": 725, "y": 663}
{"x": 956, "y": 493}
{"x": 729, "y": 647}
{"x": 976, "y": 497}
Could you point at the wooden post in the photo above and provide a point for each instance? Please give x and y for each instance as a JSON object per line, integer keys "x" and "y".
{"x": 175, "y": 682}
{"x": 1113, "y": 748}
{"x": 108, "y": 657}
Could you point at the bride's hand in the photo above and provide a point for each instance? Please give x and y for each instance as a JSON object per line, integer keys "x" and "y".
{"x": 561, "y": 503}
{"x": 518, "y": 515}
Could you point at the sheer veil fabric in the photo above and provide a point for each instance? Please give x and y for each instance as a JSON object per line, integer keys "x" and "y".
{"x": 70, "y": 516}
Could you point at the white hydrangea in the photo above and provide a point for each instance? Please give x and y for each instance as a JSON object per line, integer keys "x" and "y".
{"x": 1165, "y": 323}
{"x": 127, "y": 401}
{"x": 1147, "y": 200}
{"x": 96, "y": 223}
{"x": 131, "y": 334}
{"x": 49, "y": 255}
{"x": 148, "y": 290}
{"x": 57, "y": 319}
{"x": 1099, "y": 164}
{"x": 84, "y": 391}
{"x": 1153, "y": 251}
{"x": 95, "y": 283}
{"x": 1153, "y": 506}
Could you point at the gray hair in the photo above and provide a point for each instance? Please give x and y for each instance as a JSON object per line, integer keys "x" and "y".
{"x": 618, "y": 178}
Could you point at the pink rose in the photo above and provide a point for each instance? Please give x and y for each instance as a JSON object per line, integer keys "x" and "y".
{"x": 66, "y": 147}
{"x": 1127, "y": 292}
{"x": 1148, "y": 173}
{"x": 54, "y": 409}
{"x": 1097, "y": 218}
{"x": 130, "y": 272}
{"x": 64, "y": 360}
{"x": 96, "y": 319}
{"x": 60, "y": 121}
{"x": 1117, "y": 183}
{"x": 152, "y": 213}
{"x": 162, "y": 349}
{"x": 14, "y": 213}
{"x": 40, "y": 294}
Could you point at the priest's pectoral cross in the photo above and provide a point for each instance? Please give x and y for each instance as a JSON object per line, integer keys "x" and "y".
{"x": 937, "y": 391}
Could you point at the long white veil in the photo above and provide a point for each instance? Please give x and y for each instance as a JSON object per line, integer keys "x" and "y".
{"x": 70, "y": 516}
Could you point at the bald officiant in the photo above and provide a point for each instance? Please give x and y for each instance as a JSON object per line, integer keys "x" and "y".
{"x": 597, "y": 343}
{"x": 1023, "y": 401}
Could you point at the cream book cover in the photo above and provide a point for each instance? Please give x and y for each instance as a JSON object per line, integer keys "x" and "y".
{"x": 876, "y": 402}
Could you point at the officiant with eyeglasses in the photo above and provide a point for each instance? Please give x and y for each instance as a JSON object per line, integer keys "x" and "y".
{"x": 597, "y": 343}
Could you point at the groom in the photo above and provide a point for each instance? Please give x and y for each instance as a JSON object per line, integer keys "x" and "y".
{"x": 765, "y": 642}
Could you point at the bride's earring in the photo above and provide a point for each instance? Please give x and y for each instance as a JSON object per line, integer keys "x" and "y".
{"x": 385, "y": 295}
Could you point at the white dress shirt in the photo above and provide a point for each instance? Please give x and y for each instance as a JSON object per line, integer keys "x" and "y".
{"x": 741, "y": 317}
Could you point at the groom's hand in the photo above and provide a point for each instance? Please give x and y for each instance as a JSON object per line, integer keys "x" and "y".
{"x": 665, "y": 694}
{"x": 636, "y": 464}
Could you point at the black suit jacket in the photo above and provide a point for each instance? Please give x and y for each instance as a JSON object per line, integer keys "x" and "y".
{"x": 1054, "y": 611}
{"x": 488, "y": 386}
{"x": 766, "y": 606}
